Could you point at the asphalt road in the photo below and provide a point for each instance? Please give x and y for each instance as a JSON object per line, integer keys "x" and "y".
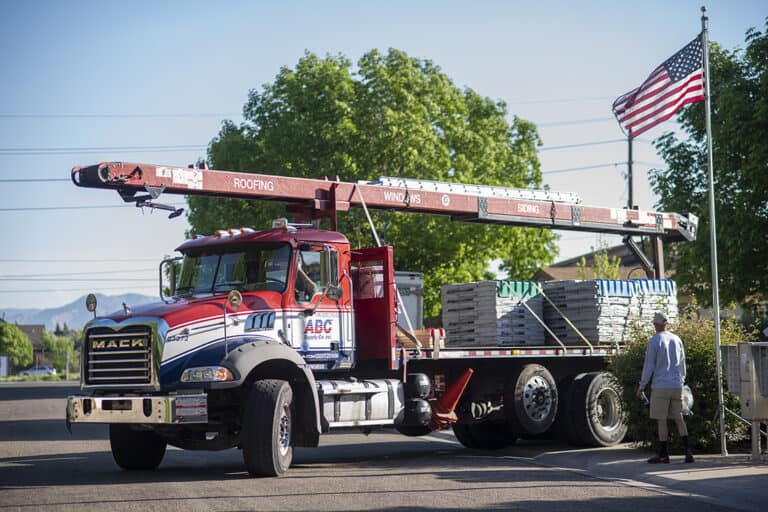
{"x": 42, "y": 466}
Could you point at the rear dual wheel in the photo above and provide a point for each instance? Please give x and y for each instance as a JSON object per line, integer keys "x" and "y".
{"x": 484, "y": 436}
{"x": 531, "y": 405}
{"x": 594, "y": 413}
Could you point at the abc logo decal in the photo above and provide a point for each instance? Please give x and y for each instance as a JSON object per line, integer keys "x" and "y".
{"x": 319, "y": 327}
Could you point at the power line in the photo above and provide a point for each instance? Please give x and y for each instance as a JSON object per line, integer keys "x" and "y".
{"x": 577, "y": 121}
{"x": 20, "y": 151}
{"x": 122, "y": 271}
{"x": 585, "y": 168}
{"x": 104, "y": 148}
{"x": 78, "y": 289}
{"x": 584, "y": 144}
{"x": 581, "y": 145}
{"x": 597, "y": 166}
{"x": 56, "y": 208}
{"x": 57, "y": 153}
{"x": 561, "y": 100}
{"x": 32, "y": 180}
{"x": 87, "y": 115}
{"x": 140, "y": 115}
{"x": 96, "y": 279}
{"x": 97, "y": 260}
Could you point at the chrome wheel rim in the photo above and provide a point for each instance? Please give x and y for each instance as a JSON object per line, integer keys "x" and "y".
{"x": 607, "y": 409}
{"x": 284, "y": 431}
{"x": 537, "y": 398}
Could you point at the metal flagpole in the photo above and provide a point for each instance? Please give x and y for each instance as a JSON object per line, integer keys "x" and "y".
{"x": 630, "y": 195}
{"x": 712, "y": 229}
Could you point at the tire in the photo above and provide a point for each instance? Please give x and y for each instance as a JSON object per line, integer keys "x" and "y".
{"x": 484, "y": 436}
{"x": 594, "y": 412}
{"x": 267, "y": 426}
{"x": 561, "y": 427}
{"x": 413, "y": 430}
{"x": 136, "y": 450}
{"x": 532, "y": 404}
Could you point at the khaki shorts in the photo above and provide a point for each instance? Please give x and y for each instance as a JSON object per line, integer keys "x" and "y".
{"x": 666, "y": 403}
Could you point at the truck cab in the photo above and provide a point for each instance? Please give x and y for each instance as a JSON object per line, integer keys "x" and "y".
{"x": 294, "y": 283}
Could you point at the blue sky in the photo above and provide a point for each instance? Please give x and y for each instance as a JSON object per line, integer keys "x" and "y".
{"x": 71, "y": 67}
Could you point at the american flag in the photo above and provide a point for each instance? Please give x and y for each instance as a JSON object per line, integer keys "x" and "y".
{"x": 678, "y": 81}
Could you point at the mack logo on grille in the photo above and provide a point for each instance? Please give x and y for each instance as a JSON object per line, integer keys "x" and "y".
{"x": 127, "y": 343}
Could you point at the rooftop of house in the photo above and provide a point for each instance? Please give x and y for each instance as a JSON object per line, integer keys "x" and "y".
{"x": 629, "y": 266}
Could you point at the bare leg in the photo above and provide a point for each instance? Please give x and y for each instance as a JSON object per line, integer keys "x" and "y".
{"x": 663, "y": 430}
{"x": 682, "y": 428}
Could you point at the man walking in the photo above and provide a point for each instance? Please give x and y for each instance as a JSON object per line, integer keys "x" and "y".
{"x": 665, "y": 362}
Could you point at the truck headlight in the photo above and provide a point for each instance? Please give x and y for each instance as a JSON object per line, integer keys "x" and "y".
{"x": 207, "y": 374}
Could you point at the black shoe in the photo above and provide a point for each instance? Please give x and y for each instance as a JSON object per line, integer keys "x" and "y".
{"x": 659, "y": 459}
{"x": 689, "y": 457}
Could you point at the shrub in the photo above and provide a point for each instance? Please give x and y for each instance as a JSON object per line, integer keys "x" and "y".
{"x": 698, "y": 335}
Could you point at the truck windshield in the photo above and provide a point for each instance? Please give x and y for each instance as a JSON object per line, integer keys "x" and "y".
{"x": 261, "y": 267}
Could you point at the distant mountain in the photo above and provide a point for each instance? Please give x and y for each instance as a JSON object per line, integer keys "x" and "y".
{"x": 74, "y": 314}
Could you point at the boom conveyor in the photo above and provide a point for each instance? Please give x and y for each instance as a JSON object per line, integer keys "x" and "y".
{"x": 316, "y": 198}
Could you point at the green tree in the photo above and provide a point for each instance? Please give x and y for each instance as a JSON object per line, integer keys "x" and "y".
{"x": 58, "y": 347}
{"x": 739, "y": 85}
{"x": 390, "y": 115}
{"x": 16, "y": 345}
{"x": 603, "y": 267}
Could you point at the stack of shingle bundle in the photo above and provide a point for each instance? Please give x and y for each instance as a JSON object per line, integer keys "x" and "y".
{"x": 605, "y": 310}
{"x": 491, "y": 313}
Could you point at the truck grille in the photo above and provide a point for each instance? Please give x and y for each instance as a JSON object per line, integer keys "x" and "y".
{"x": 121, "y": 357}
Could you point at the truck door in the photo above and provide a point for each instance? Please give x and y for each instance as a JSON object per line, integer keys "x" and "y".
{"x": 322, "y": 329}
{"x": 374, "y": 302}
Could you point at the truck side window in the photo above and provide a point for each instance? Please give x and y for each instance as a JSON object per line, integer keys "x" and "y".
{"x": 368, "y": 278}
{"x": 308, "y": 280}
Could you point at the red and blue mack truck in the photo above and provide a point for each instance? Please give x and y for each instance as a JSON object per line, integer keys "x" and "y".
{"x": 266, "y": 339}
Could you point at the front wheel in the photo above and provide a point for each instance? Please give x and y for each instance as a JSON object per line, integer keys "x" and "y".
{"x": 136, "y": 450}
{"x": 413, "y": 430}
{"x": 267, "y": 426}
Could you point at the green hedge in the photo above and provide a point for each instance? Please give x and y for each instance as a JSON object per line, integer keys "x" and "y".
{"x": 698, "y": 337}
{"x": 54, "y": 378}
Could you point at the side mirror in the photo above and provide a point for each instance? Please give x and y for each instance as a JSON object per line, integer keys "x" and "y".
{"x": 90, "y": 304}
{"x": 325, "y": 267}
{"x": 169, "y": 273}
{"x": 329, "y": 271}
{"x": 334, "y": 293}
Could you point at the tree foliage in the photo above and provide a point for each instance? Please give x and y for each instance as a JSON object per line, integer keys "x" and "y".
{"x": 605, "y": 266}
{"x": 57, "y": 348}
{"x": 739, "y": 99}
{"x": 390, "y": 115}
{"x": 15, "y": 344}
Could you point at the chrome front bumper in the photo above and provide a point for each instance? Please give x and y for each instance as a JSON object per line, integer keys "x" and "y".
{"x": 163, "y": 410}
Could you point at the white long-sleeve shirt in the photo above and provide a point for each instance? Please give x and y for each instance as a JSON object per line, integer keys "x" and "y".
{"x": 664, "y": 361}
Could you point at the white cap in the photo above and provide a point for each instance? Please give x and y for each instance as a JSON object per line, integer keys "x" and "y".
{"x": 659, "y": 318}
